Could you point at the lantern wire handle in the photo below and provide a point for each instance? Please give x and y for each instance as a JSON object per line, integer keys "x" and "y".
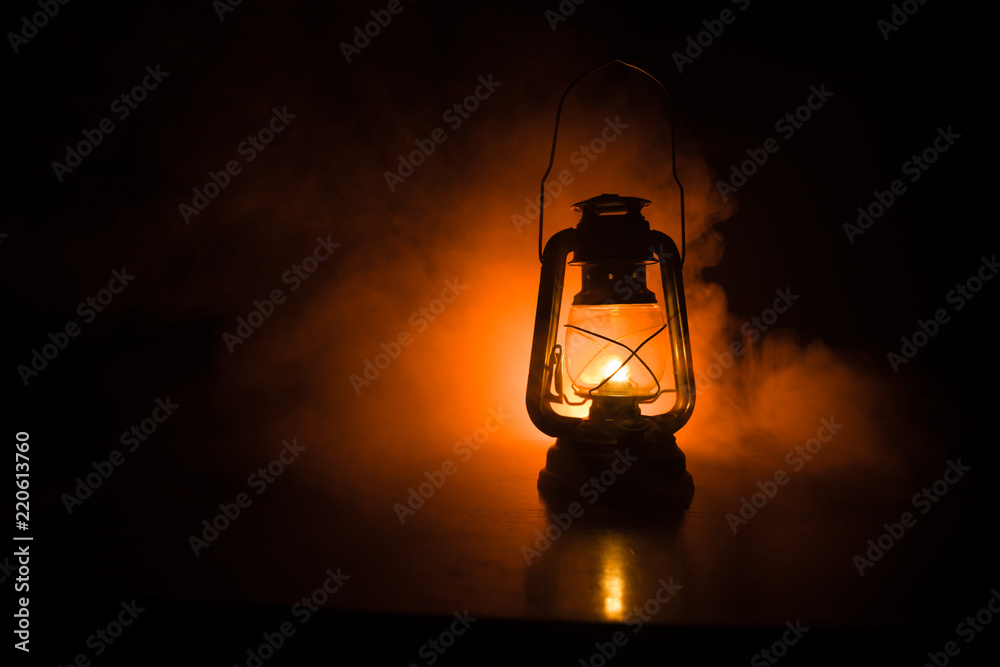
{"x": 555, "y": 134}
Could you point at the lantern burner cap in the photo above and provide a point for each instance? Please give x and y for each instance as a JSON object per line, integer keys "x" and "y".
{"x": 608, "y": 204}
{"x": 612, "y": 229}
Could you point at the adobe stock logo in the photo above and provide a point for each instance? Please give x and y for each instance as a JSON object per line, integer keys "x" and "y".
{"x": 796, "y": 458}
{"x": 249, "y": 148}
{"x": 102, "y": 638}
{"x": 634, "y": 620}
{"x": 87, "y": 309}
{"x": 38, "y": 20}
{"x": 566, "y": 9}
{"x": 592, "y": 490}
{"x": 420, "y": 319}
{"x": 262, "y": 650}
{"x": 134, "y": 437}
{"x": 751, "y": 330}
{"x": 454, "y": 116}
{"x": 122, "y": 106}
{"x": 581, "y": 159}
{"x": 898, "y": 18}
{"x": 463, "y": 448}
{"x": 222, "y": 7}
{"x": 924, "y": 501}
{"x": 294, "y": 276}
{"x": 968, "y": 630}
{"x": 372, "y": 29}
{"x": 925, "y": 330}
{"x": 915, "y": 167}
{"x": 260, "y": 480}
{"x": 786, "y": 125}
{"x": 714, "y": 28}
{"x": 779, "y": 648}
{"x": 433, "y": 649}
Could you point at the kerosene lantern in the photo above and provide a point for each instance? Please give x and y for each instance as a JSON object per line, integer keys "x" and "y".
{"x": 618, "y": 349}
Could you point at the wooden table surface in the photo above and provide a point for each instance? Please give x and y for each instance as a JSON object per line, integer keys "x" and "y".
{"x": 462, "y": 552}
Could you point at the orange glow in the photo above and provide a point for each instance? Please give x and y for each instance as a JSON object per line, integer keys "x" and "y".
{"x": 613, "y": 587}
{"x": 621, "y": 375}
{"x": 613, "y": 581}
{"x": 473, "y": 355}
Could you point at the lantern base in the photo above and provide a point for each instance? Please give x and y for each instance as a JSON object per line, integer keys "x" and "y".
{"x": 650, "y": 472}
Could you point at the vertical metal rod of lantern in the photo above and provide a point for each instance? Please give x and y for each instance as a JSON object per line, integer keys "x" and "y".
{"x": 585, "y": 447}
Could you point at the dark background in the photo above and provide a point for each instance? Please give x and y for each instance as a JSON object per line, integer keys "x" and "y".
{"x": 324, "y": 175}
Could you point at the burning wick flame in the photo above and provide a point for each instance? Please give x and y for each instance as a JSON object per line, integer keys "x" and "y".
{"x": 622, "y": 375}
